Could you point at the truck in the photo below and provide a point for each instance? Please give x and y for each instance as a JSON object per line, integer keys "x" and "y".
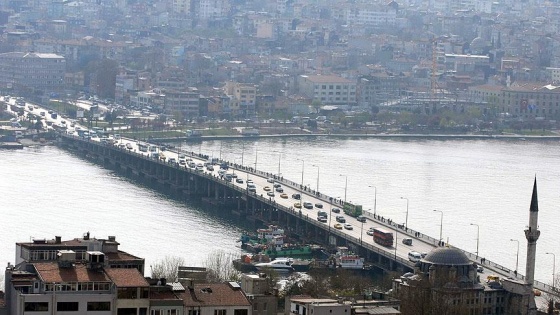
{"x": 193, "y": 133}
{"x": 383, "y": 237}
{"x": 352, "y": 210}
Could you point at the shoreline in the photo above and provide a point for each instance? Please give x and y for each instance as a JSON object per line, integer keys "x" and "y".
{"x": 379, "y": 136}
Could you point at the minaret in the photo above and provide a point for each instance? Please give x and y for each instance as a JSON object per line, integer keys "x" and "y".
{"x": 532, "y": 234}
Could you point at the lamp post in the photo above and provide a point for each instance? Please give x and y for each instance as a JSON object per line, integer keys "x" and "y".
{"x": 279, "y": 158}
{"x": 362, "y": 234}
{"x": 440, "y": 225}
{"x": 517, "y": 256}
{"x": 406, "y": 221}
{"x": 553, "y": 266}
{"x": 477, "y": 237}
{"x": 375, "y": 200}
{"x": 317, "y": 166}
{"x": 345, "y": 189}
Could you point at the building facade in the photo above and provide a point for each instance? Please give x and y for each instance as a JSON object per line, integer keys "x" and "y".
{"x": 23, "y": 71}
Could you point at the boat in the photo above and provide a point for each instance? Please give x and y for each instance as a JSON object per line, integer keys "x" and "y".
{"x": 347, "y": 260}
{"x": 271, "y": 241}
{"x": 279, "y": 264}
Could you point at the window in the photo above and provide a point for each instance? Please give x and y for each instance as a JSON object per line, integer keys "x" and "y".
{"x": 255, "y": 306}
{"x": 219, "y": 312}
{"x": 98, "y": 306}
{"x": 241, "y": 312}
{"x": 67, "y": 306}
{"x": 265, "y": 306}
{"x": 36, "y": 306}
{"x": 194, "y": 312}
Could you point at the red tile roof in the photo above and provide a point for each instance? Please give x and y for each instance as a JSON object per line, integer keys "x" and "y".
{"x": 215, "y": 294}
{"x": 51, "y": 272}
{"x": 126, "y": 277}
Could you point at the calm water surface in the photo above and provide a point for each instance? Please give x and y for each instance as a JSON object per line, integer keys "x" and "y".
{"x": 47, "y": 192}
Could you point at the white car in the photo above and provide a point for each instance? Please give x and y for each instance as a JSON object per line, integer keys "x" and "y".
{"x": 348, "y": 226}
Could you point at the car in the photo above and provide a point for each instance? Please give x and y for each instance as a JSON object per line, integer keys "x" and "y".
{"x": 270, "y": 180}
{"x": 276, "y": 185}
{"x": 233, "y": 175}
{"x": 270, "y": 194}
{"x": 297, "y": 205}
{"x": 369, "y": 232}
{"x": 308, "y": 205}
{"x": 424, "y": 254}
{"x": 322, "y": 219}
{"x": 239, "y": 180}
{"x": 296, "y": 196}
{"x": 407, "y": 241}
{"x": 319, "y": 205}
{"x": 222, "y": 172}
{"x": 210, "y": 168}
{"x": 172, "y": 160}
{"x": 479, "y": 268}
{"x": 336, "y": 210}
{"x": 361, "y": 218}
{"x": 250, "y": 181}
{"x": 338, "y": 226}
{"x": 266, "y": 188}
{"x": 279, "y": 189}
{"x": 340, "y": 218}
{"x": 348, "y": 226}
{"x": 284, "y": 196}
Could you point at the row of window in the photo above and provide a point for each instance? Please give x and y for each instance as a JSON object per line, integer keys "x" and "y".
{"x": 66, "y": 306}
{"x": 79, "y": 286}
{"x": 332, "y": 87}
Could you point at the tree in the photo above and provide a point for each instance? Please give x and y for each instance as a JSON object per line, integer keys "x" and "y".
{"x": 220, "y": 268}
{"x": 167, "y": 268}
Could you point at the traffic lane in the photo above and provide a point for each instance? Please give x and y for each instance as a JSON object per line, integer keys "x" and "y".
{"x": 357, "y": 232}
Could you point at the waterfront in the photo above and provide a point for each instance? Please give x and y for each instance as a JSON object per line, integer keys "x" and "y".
{"x": 49, "y": 192}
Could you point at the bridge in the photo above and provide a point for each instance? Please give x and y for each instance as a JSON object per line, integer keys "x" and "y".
{"x": 137, "y": 160}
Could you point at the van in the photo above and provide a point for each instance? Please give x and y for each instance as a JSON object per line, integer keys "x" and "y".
{"x": 414, "y": 256}
{"x": 251, "y": 187}
{"x": 407, "y": 241}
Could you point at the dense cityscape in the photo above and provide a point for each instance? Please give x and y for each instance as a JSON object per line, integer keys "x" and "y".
{"x": 456, "y": 66}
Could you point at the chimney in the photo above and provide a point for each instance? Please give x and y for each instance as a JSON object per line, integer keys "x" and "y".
{"x": 57, "y": 239}
{"x": 532, "y": 234}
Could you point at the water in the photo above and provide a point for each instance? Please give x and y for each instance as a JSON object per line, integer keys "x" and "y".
{"x": 47, "y": 192}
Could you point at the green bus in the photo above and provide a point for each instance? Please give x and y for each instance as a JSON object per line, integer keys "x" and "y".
{"x": 352, "y": 210}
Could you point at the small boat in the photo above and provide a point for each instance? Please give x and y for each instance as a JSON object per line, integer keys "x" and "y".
{"x": 278, "y": 264}
{"x": 347, "y": 260}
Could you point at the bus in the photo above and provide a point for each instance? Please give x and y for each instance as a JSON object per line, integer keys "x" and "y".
{"x": 352, "y": 210}
{"x": 142, "y": 147}
{"x": 383, "y": 237}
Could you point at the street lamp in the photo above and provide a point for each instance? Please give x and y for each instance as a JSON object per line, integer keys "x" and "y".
{"x": 517, "y": 259}
{"x": 477, "y": 236}
{"x": 345, "y": 188}
{"x": 440, "y": 225}
{"x": 317, "y": 166}
{"x": 362, "y": 234}
{"x": 374, "y": 200}
{"x": 406, "y": 221}
{"x": 553, "y": 266}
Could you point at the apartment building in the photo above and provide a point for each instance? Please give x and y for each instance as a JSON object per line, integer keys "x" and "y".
{"x": 329, "y": 89}
{"x": 91, "y": 276}
{"x": 32, "y": 71}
